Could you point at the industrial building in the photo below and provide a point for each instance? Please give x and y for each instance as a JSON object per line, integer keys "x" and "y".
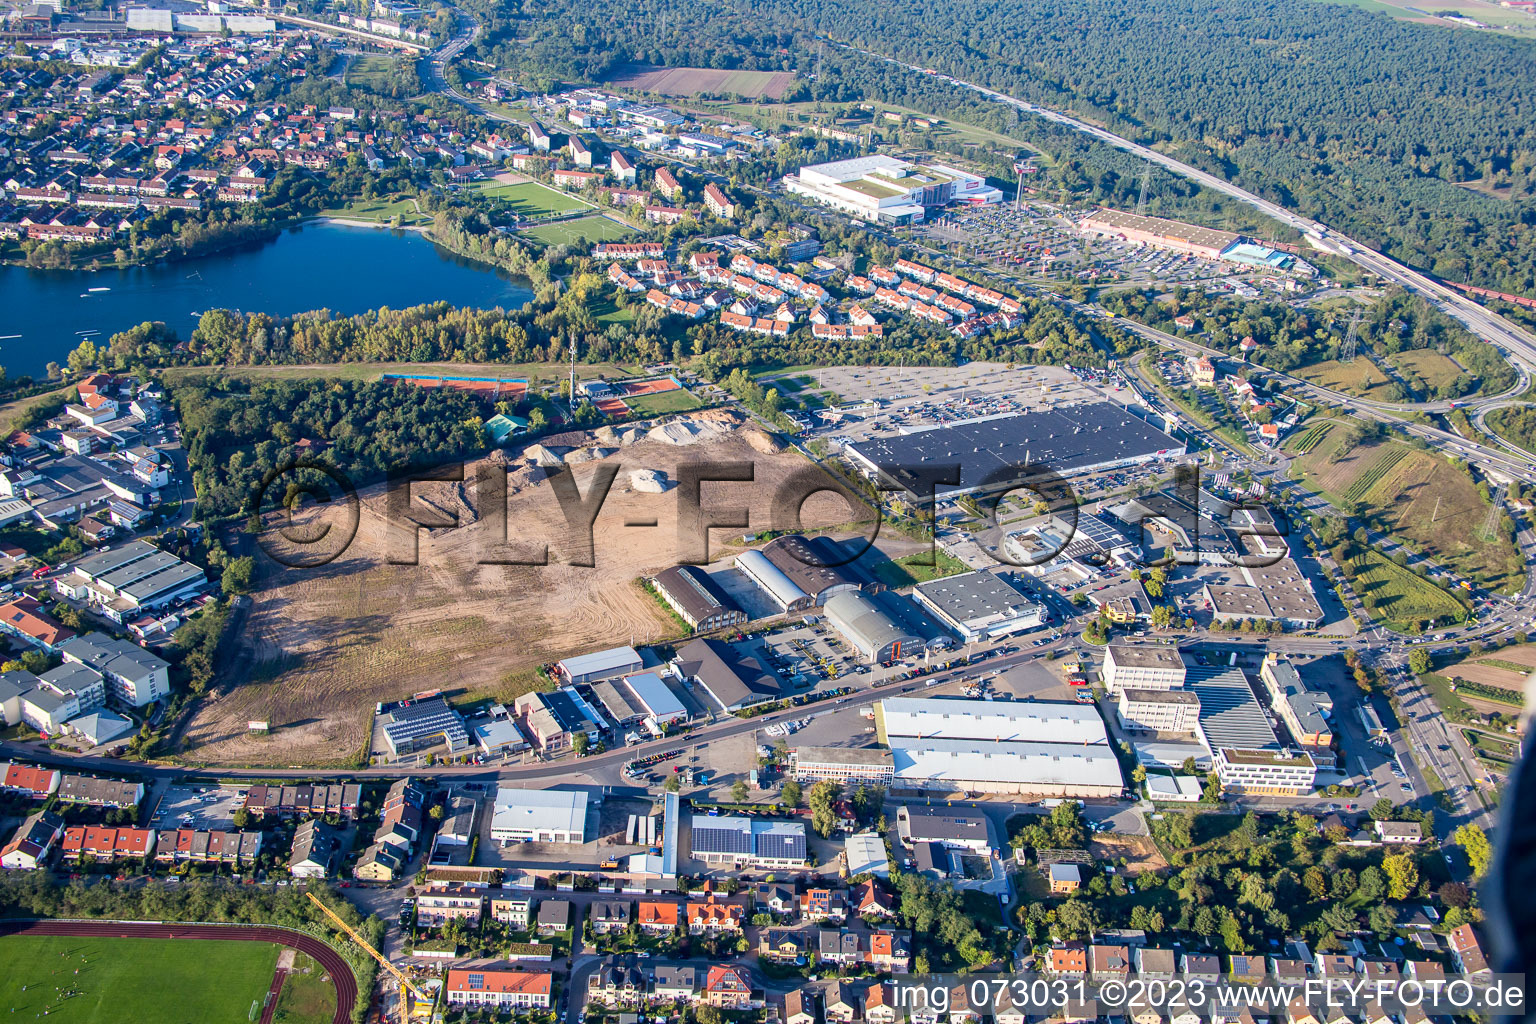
{"x": 134, "y": 577}
{"x": 1306, "y": 710}
{"x": 842, "y": 764}
{"x": 697, "y": 598}
{"x": 1142, "y": 667}
{"x": 734, "y": 679}
{"x": 1279, "y": 593}
{"x": 771, "y": 580}
{"x": 870, "y": 629}
{"x": 1245, "y": 751}
{"x": 1158, "y": 711}
{"x": 816, "y": 565}
{"x": 748, "y": 842}
{"x": 1043, "y": 748}
{"x": 981, "y": 605}
{"x": 660, "y": 704}
{"x": 587, "y": 668}
{"x": 539, "y": 816}
{"x": 884, "y": 190}
{"x": 417, "y": 725}
{"x": 1002, "y": 452}
{"x": 1207, "y": 243}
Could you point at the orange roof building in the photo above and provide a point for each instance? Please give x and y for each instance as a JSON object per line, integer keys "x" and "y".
{"x": 493, "y": 986}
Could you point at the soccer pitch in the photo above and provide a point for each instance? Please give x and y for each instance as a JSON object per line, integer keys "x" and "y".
{"x": 134, "y": 981}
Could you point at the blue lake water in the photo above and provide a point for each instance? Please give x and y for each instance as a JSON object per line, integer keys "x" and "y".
{"x": 316, "y": 266}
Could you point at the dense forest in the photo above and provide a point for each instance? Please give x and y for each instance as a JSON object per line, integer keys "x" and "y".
{"x": 1345, "y": 115}
{"x": 238, "y": 430}
{"x": 1289, "y": 337}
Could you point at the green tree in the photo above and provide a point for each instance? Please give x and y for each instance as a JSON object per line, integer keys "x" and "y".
{"x": 739, "y": 791}
{"x": 84, "y": 357}
{"x": 1419, "y": 661}
{"x": 790, "y": 794}
{"x": 1474, "y": 843}
{"x": 580, "y": 743}
{"x": 1402, "y": 875}
{"x": 1373, "y": 884}
{"x": 239, "y": 575}
{"x": 1075, "y": 919}
{"x": 823, "y": 801}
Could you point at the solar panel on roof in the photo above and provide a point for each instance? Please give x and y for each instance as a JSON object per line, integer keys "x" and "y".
{"x": 722, "y": 840}
{"x": 476, "y": 981}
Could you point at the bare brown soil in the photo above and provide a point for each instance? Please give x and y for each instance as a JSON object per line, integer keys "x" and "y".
{"x": 321, "y": 646}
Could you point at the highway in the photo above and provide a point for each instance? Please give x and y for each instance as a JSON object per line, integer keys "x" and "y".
{"x": 1518, "y": 344}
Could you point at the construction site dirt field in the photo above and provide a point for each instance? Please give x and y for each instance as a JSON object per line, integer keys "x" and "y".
{"x": 322, "y": 645}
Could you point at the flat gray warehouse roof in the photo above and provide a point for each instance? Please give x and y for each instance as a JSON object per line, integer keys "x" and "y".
{"x": 1064, "y": 440}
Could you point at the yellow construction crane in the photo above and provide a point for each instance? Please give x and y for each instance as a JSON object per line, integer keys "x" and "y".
{"x": 413, "y": 998}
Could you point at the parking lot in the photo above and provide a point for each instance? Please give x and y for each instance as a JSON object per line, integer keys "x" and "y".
{"x": 1040, "y": 243}
{"x": 198, "y": 807}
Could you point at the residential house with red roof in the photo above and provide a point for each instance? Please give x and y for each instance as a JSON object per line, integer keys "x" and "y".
{"x": 502, "y": 989}
{"x": 726, "y": 986}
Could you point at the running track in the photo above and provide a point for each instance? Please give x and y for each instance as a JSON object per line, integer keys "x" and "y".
{"x": 326, "y": 956}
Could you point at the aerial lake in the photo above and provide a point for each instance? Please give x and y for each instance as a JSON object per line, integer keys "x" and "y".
{"x": 316, "y": 266}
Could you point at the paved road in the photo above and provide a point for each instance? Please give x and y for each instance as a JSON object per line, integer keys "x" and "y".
{"x": 323, "y": 953}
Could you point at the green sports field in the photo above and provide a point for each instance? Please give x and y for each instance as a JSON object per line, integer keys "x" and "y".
{"x": 134, "y": 981}
{"x": 583, "y": 229}
{"x": 658, "y": 404}
{"x": 531, "y": 199}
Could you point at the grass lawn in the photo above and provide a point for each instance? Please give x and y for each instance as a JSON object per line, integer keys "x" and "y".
{"x": 370, "y": 71}
{"x": 910, "y": 569}
{"x": 530, "y": 198}
{"x": 136, "y": 981}
{"x": 583, "y": 229}
{"x": 662, "y": 402}
{"x": 605, "y": 311}
{"x": 1356, "y": 378}
{"x": 1430, "y": 367}
{"x": 1399, "y": 597}
{"x": 1418, "y": 498}
{"x": 380, "y": 211}
{"x": 308, "y": 995}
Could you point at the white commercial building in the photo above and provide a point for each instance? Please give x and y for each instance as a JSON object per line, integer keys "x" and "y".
{"x": 539, "y": 816}
{"x": 882, "y": 189}
{"x": 1044, "y": 748}
{"x": 1159, "y": 711}
{"x": 1142, "y": 667}
{"x": 980, "y": 605}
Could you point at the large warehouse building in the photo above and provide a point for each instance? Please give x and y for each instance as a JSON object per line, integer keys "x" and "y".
{"x": 1207, "y": 243}
{"x": 980, "y": 605}
{"x": 1040, "y": 748}
{"x": 1064, "y": 441}
{"x": 539, "y": 816}
{"x": 733, "y": 678}
{"x": 877, "y": 635}
{"x": 784, "y": 592}
{"x": 816, "y": 565}
{"x": 885, "y": 190}
{"x": 697, "y": 598}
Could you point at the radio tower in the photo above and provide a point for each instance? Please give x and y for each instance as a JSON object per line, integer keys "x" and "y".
{"x": 1351, "y": 340}
{"x": 1141, "y": 201}
{"x": 573, "y": 374}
